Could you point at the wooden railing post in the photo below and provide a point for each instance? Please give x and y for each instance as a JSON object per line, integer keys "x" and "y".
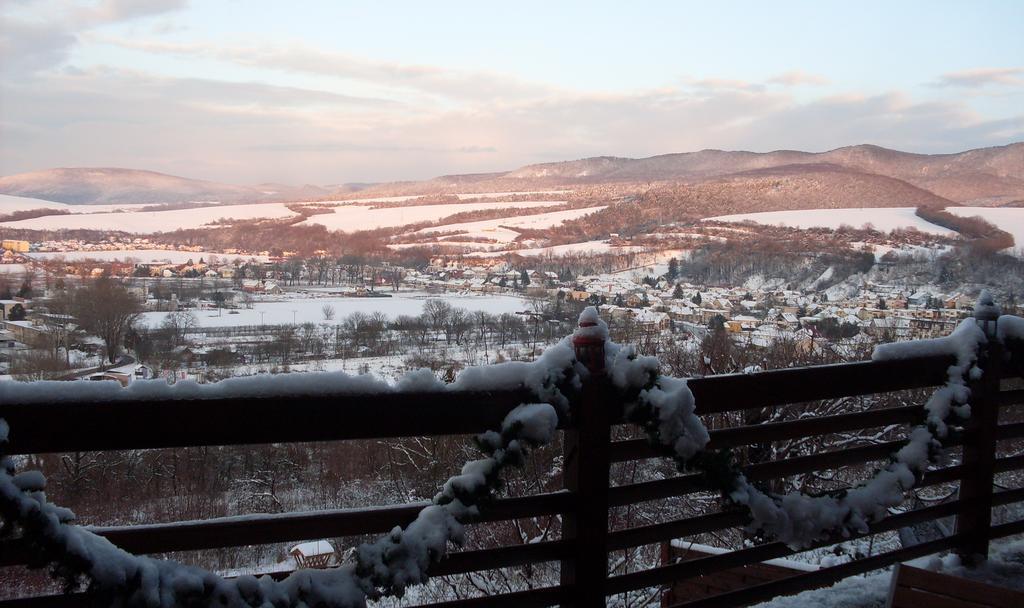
{"x": 974, "y": 517}
{"x": 586, "y": 461}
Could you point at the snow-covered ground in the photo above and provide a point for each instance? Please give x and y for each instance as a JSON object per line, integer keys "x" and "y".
{"x": 502, "y": 229}
{"x": 1010, "y": 219}
{"x": 149, "y": 222}
{"x": 310, "y": 309}
{"x": 497, "y": 194}
{"x": 10, "y": 204}
{"x": 883, "y": 219}
{"x": 558, "y": 250}
{"x": 143, "y": 256}
{"x": 364, "y": 217}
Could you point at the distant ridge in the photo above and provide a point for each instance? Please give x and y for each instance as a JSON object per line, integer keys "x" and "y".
{"x": 106, "y": 185}
{"x": 985, "y": 176}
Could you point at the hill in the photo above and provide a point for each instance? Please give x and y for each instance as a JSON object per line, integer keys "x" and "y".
{"x": 84, "y": 186}
{"x": 987, "y": 175}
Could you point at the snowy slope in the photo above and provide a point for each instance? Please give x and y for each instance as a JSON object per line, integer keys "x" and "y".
{"x": 503, "y": 229}
{"x": 310, "y": 309}
{"x": 362, "y": 217}
{"x": 148, "y": 222}
{"x": 883, "y": 219}
{"x": 1010, "y": 219}
{"x": 143, "y": 256}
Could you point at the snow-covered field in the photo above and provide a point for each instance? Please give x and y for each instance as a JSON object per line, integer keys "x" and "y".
{"x": 497, "y": 194}
{"x": 883, "y": 219}
{"x": 149, "y": 222}
{"x": 363, "y": 217}
{"x": 1010, "y": 219}
{"x": 502, "y": 229}
{"x": 355, "y": 214}
{"x": 559, "y": 250}
{"x": 310, "y": 309}
{"x": 142, "y": 256}
{"x": 10, "y": 204}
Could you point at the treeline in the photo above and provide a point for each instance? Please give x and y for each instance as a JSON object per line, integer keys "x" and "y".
{"x": 27, "y": 214}
{"x": 984, "y": 237}
{"x": 733, "y": 262}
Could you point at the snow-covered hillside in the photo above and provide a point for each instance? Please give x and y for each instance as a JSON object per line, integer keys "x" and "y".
{"x": 363, "y": 217}
{"x": 149, "y": 222}
{"x": 309, "y": 309}
{"x": 884, "y": 219}
{"x": 1010, "y": 219}
{"x": 502, "y": 229}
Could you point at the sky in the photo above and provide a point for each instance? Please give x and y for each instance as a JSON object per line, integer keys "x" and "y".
{"x": 254, "y": 91}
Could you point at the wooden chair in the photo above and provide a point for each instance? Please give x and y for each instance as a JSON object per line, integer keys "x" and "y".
{"x": 917, "y": 588}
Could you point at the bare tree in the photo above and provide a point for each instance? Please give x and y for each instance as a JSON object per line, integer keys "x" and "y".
{"x": 106, "y": 309}
{"x": 328, "y": 312}
{"x": 178, "y": 325}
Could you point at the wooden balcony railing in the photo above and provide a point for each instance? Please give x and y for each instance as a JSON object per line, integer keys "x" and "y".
{"x": 583, "y": 548}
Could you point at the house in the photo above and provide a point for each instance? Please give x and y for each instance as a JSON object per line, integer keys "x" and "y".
{"x": 13, "y": 310}
{"x": 314, "y": 554}
{"x": 742, "y": 323}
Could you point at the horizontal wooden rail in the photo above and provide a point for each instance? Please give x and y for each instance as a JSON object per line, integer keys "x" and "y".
{"x": 743, "y": 557}
{"x": 818, "y": 578}
{"x": 730, "y": 392}
{"x": 533, "y": 598}
{"x": 632, "y": 449}
{"x": 1012, "y": 397}
{"x": 262, "y": 529}
{"x": 1010, "y": 431}
{"x": 124, "y": 425}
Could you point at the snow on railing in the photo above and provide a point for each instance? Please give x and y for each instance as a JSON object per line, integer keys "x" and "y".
{"x": 664, "y": 406}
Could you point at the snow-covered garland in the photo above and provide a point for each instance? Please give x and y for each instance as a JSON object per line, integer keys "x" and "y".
{"x": 385, "y": 567}
{"x": 664, "y": 406}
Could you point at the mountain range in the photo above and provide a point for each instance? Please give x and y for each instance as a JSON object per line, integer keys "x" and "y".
{"x": 863, "y": 175}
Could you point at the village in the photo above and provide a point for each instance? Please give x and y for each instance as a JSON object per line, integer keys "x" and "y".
{"x": 241, "y": 313}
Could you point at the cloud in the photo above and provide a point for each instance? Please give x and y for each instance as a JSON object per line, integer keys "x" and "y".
{"x": 41, "y": 34}
{"x": 798, "y": 77}
{"x": 980, "y": 77}
{"x": 253, "y": 132}
{"x": 299, "y": 58}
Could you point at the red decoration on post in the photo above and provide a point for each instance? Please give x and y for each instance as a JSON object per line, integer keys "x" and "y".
{"x": 589, "y": 347}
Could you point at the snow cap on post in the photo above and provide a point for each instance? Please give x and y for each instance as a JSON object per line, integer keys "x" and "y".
{"x": 589, "y": 339}
{"x": 986, "y": 313}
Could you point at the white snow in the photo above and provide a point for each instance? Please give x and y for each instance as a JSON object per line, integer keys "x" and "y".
{"x": 9, "y": 204}
{"x": 499, "y": 194}
{"x": 349, "y": 218}
{"x": 280, "y": 312}
{"x": 1010, "y": 219}
{"x": 313, "y": 547}
{"x": 149, "y": 222}
{"x": 559, "y": 250}
{"x": 143, "y": 256}
{"x": 883, "y": 219}
{"x": 503, "y": 229}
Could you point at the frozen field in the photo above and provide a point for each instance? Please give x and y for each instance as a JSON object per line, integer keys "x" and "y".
{"x": 9, "y": 204}
{"x": 882, "y": 219}
{"x": 558, "y": 250}
{"x": 497, "y": 230}
{"x": 310, "y": 309}
{"x": 363, "y": 217}
{"x": 149, "y": 222}
{"x": 1010, "y": 219}
{"x": 497, "y": 194}
{"x": 143, "y": 256}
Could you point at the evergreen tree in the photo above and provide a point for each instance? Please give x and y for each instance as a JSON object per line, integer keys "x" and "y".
{"x": 677, "y": 293}
{"x": 673, "y": 269}
{"x": 524, "y": 278}
{"x": 696, "y": 299}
